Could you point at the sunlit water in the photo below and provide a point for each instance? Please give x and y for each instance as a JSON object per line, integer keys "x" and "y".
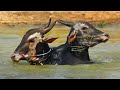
{"x": 106, "y": 55}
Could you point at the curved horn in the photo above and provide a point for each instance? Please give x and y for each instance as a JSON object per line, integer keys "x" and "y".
{"x": 49, "y": 28}
{"x": 47, "y": 25}
{"x": 70, "y": 24}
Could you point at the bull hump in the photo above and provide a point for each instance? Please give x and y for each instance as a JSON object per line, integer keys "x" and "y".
{"x": 34, "y": 35}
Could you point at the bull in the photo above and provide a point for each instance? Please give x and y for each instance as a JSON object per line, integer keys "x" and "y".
{"x": 81, "y": 37}
{"x": 33, "y": 42}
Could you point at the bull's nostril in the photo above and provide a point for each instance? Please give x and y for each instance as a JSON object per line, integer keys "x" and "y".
{"x": 105, "y": 34}
{"x": 13, "y": 57}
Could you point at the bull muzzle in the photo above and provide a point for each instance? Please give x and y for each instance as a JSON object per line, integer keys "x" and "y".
{"x": 104, "y": 37}
{"x": 16, "y": 57}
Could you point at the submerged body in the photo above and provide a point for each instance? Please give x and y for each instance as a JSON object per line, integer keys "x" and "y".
{"x": 63, "y": 55}
{"x": 88, "y": 37}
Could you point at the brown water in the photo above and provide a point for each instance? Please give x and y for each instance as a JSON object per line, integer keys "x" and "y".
{"x": 106, "y": 54}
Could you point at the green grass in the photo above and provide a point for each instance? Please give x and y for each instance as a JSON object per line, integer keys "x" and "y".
{"x": 101, "y": 24}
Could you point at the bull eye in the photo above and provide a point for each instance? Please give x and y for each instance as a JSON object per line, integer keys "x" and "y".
{"x": 84, "y": 28}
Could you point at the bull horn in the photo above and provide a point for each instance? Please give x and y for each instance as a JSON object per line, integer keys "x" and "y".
{"x": 47, "y": 25}
{"x": 70, "y": 24}
{"x": 49, "y": 28}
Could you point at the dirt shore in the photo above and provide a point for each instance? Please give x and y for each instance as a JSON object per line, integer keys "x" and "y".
{"x": 40, "y": 17}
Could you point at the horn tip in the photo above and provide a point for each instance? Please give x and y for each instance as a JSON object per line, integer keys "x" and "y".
{"x": 50, "y": 19}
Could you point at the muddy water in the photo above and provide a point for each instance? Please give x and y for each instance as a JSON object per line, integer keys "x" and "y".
{"x": 107, "y": 56}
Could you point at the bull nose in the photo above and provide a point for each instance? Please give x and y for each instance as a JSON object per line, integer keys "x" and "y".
{"x": 105, "y": 34}
{"x": 105, "y": 37}
{"x": 13, "y": 57}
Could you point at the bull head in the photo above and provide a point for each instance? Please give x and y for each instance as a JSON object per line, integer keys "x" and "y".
{"x": 31, "y": 39}
{"x": 86, "y": 34}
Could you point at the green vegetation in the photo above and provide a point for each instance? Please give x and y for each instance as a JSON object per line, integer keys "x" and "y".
{"x": 101, "y": 24}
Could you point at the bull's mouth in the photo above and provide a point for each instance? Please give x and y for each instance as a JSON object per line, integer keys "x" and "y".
{"x": 102, "y": 39}
{"x": 90, "y": 42}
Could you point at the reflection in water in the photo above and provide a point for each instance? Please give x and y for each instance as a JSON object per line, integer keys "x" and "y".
{"x": 106, "y": 56}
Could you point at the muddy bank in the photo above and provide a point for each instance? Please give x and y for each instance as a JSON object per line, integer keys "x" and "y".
{"x": 40, "y": 17}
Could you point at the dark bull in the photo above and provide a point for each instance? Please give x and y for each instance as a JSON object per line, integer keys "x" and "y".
{"x": 82, "y": 36}
{"x": 33, "y": 38}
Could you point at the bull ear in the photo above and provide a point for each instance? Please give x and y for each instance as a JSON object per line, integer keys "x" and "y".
{"x": 69, "y": 24}
{"x": 50, "y": 40}
{"x": 71, "y": 38}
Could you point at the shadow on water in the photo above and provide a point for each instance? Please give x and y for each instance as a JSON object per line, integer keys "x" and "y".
{"x": 105, "y": 55}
